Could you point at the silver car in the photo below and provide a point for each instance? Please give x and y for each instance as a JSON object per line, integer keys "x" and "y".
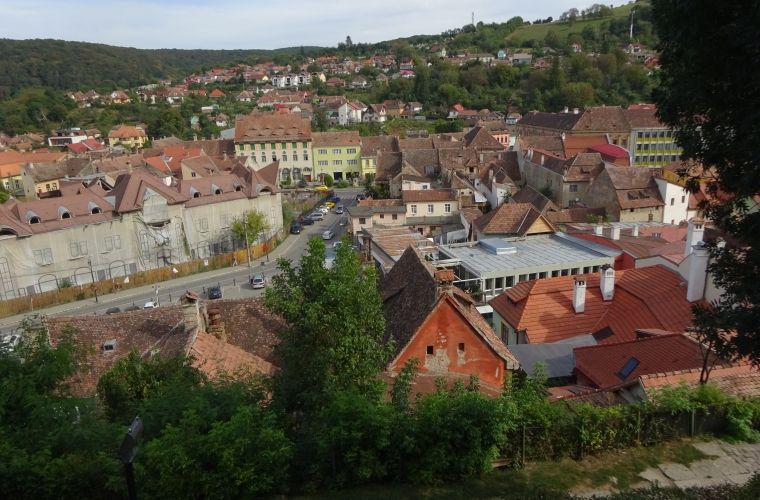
{"x": 328, "y": 235}
{"x": 258, "y": 281}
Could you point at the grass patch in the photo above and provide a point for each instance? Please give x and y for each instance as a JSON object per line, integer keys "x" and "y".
{"x": 539, "y": 480}
{"x": 539, "y": 31}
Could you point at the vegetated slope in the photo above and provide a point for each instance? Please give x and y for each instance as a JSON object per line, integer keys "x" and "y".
{"x": 69, "y": 65}
{"x": 563, "y": 28}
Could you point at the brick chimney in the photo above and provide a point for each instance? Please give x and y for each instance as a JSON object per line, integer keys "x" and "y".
{"x": 444, "y": 279}
{"x": 216, "y": 325}
{"x": 579, "y": 295}
{"x": 190, "y": 312}
{"x": 694, "y": 235}
{"x": 697, "y": 272}
{"x": 607, "y": 282}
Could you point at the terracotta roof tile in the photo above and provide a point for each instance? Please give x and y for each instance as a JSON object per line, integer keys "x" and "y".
{"x": 412, "y": 196}
{"x": 509, "y": 218}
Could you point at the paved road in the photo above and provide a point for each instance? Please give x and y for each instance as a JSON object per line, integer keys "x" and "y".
{"x": 234, "y": 280}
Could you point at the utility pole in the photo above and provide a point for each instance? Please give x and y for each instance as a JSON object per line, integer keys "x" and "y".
{"x": 473, "y": 19}
{"x": 247, "y": 248}
{"x": 92, "y": 275}
{"x": 632, "y": 11}
{"x": 156, "y": 287}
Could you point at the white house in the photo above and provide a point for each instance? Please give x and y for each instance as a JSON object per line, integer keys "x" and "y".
{"x": 358, "y": 83}
{"x": 375, "y": 113}
{"x": 349, "y": 114}
{"x": 676, "y": 200}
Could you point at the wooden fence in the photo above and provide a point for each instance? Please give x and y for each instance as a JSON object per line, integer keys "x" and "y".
{"x": 43, "y": 300}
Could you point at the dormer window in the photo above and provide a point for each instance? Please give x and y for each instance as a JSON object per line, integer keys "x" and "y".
{"x": 238, "y": 188}
{"x": 66, "y": 215}
{"x": 95, "y": 210}
{"x": 109, "y": 345}
{"x": 196, "y": 195}
{"x": 217, "y": 191}
{"x": 34, "y": 220}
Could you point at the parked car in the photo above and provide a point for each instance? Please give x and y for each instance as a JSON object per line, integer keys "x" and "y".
{"x": 150, "y": 305}
{"x": 113, "y": 310}
{"x": 324, "y": 210}
{"x": 214, "y": 292}
{"x": 295, "y": 229}
{"x": 321, "y": 188}
{"x": 328, "y": 235}
{"x": 335, "y": 199}
{"x": 340, "y": 209}
{"x": 131, "y": 308}
{"x": 305, "y": 221}
{"x": 337, "y": 245}
{"x": 317, "y": 216}
{"x": 360, "y": 197}
{"x": 258, "y": 281}
{"x": 328, "y": 204}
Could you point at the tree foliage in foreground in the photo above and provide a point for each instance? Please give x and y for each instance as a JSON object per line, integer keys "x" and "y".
{"x": 711, "y": 102}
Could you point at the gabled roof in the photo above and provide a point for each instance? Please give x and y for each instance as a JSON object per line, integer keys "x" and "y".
{"x": 324, "y": 139}
{"x": 130, "y": 190}
{"x": 528, "y": 194}
{"x": 265, "y": 128}
{"x": 217, "y": 93}
{"x": 601, "y": 365}
{"x": 738, "y": 379}
{"x": 634, "y": 187}
{"x": 580, "y": 167}
{"x": 580, "y": 143}
{"x": 642, "y": 117}
{"x": 510, "y": 218}
{"x": 422, "y": 195}
{"x": 648, "y": 297}
{"x": 479, "y": 137}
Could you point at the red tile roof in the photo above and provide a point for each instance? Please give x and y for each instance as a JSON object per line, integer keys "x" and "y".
{"x": 601, "y": 364}
{"x": 411, "y": 196}
{"x": 649, "y": 297}
{"x": 738, "y": 379}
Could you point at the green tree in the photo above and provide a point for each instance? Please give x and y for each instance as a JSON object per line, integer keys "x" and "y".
{"x": 321, "y": 123}
{"x": 328, "y": 180}
{"x": 422, "y": 83}
{"x": 251, "y": 225}
{"x": 168, "y": 122}
{"x": 710, "y": 102}
{"x": 335, "y": 324}
{"x": 4, "y": 195}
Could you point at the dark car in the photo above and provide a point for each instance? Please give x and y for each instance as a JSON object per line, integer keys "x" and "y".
{"x": 335, "y": 199}
{"x": 295, "y": 229}
{"x": 129, "y": 309}
{"x": 113, "y": 310}
{"x": 214, "y": 292}
{"x": 360, "y": 197}
{"x": 305, "y": 221}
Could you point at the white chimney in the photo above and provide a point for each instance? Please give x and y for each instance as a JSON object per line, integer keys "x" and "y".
{"x": 542, "y": 159}
{"x": 635, "y": 231}
{"x": 607, "y": 282}
{"x": 697, "y": 272}
{"x": 615, "y": 233}
{"x": 694, "y": 235}
{"x": 579, "y": 295}
{"x": 598, "y": 230}
{"x": 575, "y": 111}
{"x": 565, "y": 110}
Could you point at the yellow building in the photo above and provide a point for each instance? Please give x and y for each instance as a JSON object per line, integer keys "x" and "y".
{"x": 127, "y": 135}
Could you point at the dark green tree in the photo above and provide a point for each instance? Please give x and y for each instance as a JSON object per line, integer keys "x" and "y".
{"x": 710, "y": 102}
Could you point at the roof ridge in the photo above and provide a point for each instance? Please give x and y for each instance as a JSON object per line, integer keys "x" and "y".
{"x": 736, "y": 364}
{"x": 608, "y": 344}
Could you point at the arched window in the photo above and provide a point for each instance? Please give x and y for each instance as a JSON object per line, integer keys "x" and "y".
{"x": 238, "y": 188}
{"x": 34, "y": 220}
{"x": 284, "y": 156}
{"x": 66, "y": 215}
{"x": 95, "y": 210}
{"x": 218, "y": 191}
{"x": 196, "y": 194}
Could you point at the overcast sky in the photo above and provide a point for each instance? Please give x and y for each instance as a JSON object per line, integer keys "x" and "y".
{"x": 255, "y": 24}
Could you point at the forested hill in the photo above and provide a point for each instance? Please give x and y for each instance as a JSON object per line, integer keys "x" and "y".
{"x": 66, "y": 65}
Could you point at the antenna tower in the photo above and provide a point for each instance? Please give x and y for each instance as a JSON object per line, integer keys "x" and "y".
{"x": 473, "y": 19}
{"x": 632, "y": 11}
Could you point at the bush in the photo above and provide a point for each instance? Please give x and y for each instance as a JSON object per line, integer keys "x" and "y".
{"x": 329, "y": 180}
{"x": 343, "y": 184}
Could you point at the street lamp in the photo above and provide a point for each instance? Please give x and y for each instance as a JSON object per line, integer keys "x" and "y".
{"x": 156, "y": 287}
{"x": 262, "y": 267}
{"x": 127, "y": 453}
{"x": 92, "y": 275}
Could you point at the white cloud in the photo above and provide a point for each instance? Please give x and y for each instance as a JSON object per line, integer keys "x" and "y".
{"x": 253, "y": 24}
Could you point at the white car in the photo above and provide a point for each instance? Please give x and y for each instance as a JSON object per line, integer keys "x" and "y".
{"x": 150, "y": 305}
{"x": 324, "y": 210}
{"x": 258, "y": 281}
{"x": 328, "y": 235}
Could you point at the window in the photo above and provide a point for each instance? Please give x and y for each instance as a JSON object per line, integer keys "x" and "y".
{"x": 414, "y": 209}
{"x": 263, "y": 146}
{"x": 337, "y": 162}
{"x": 499, "y": 283}
{"x": 632, "y": 210}
{"x": 78, "y": 249}
{"x": 595, "y": 269}
{"x": 47, "y": 187}
{"x": 285, "y": 156}
{"x": 366, "y": 163}
{"x": 374, "y": 162}
{"x": 201, "y": 225}
{"x": 424, "y": 187}
{"x": 489, "y": 284}
{"x": 565, "y": 272}
{"x": 573, "y": 188}
{"x": 640, "y": 135}
{"x": 336, "y": 151}
{"x": 586, "y": 270}
{"x": 543, "y": 275}
{"x": 362, "y": 220}
{"x": 113, "y": 242}
{"x": 43, "y": 256}
{"x": 638, "y": 147}
{"x": 352, "y": 162}
{"x": 429, "y": 350}
{"x": 394, "y": 216}
{"x": 628, "y": 368}
{"x": 574, "y": 271}
{"x": 447, "y": 208}
{"x": 304, "y": 145}
{"x": 461, "y": 347}
{"x": 683, "y": 199}
{"x": 522, "y": 277}
{"x": 382, "y": 216}
{"x": 18, "y": 184}
{"x": 306, "y": 155}
{"x": 351, "y": 151}
{"x": 322, "y": 163}
{"x": 321, "y": 151}
{"x": 555, "y": 274}
{"x": 429, "y": 169}
{"x": 241, "y": 147}
{"x": 295, "y": 156}
{"x": 263, "y": 157}
{"x": 274, "y": 156}
{"x": 225, "y": 220}
{"x": 672, "y": 201}
{"x": 294, "y": 145}
{"x": 431, "y": 209}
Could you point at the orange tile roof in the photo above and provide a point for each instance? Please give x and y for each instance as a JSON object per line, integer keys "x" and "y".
{"x": 649, "y": 297}
{"x": 213, "y": 356}
{"x": 600, "y": 364}
{"x": 739, "y": 379}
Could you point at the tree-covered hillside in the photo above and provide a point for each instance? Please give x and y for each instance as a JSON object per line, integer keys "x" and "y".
{"x": 66, "y": 65}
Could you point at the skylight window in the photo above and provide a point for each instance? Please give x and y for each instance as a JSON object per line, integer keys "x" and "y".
{"x": 628, "y": 368}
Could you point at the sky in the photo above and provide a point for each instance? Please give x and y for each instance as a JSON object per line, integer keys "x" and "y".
{"x": 255, "y": 24}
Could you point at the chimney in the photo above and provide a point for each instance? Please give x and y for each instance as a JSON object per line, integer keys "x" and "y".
{"x": 542, "y": 159}
{"x": 635, "y": 231}
{"x": 190, "y": 312}
{"x": 598, "y": 230}
{"x": 224, "y": 156}
{"x": 575, "y": 111}
{"x": 697, "y": 272}
{"x": 694, "y": 235}
{"x": 129, "y": 167}
{"x": 579, "y": 295}
{"x": 216, "y": 325}
{"x": 481, "y": 157}
{"x": 615, "y": 233}
{"x": 565, "y": 110}
{"x": 444, "y": 278}
{"x": 607, "y": 282}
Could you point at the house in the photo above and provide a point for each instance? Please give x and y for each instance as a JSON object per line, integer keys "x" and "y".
{"x": 501, "y": 55}
{"x": 454, "y": 111}
{"x": 522, "y": 58}
{"x": 406, "y": 63}
{"x": 394, "y": 108}
{"x": 62, "y": 137}
{"x": 127, "y": 135}
{"x": 244, "y": 96}
{"x": 482, "y": 140}
{"x": 511, "y": 220}
{"x": 337, "y": 154}
{"x": 577, "y": 47}
{"x": 438, "y": 51}
{"x": 495, "y": 182}
{"x": 607, "y": 121}
{"x": 119, "y": 97}
{"x": 370, "y": 213}
{"x": 221, "y": 120}
{"x": 335, "y": 82}
{"x": 512, "y": 118}
{"x": 609, "y": 304}
{"x": 567, "y": 179}
{"x": 653, "y": 145}
{"x": 349, "y": 113}
{"x": 174, "y": 330}
{"x": 628, "y": 194}
{"x": 358, "y": 83}
{"x": 405, "y": 74}
{"x": 216, "y": 94}
{"x": 428, "y": 210}
{"x": 632, "y": 48}
{"x": 430, "y": 319}
{"x": 607, "y": 365}
{"x": 540, "y": 202}
{"x": 262, "y": 139}
{"x": 84, "y": 147}
{"x": 381, "y": 78}
{"x": 375, "y": 113}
